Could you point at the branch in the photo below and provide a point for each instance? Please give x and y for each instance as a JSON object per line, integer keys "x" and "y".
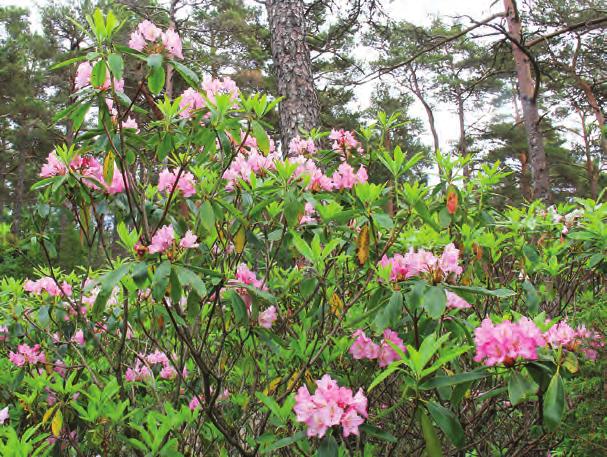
{"x": 381, "y": 71}
{"x": 591, "y": 24}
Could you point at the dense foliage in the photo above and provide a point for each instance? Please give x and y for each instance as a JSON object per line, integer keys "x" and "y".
{"x": 321, "y": 301}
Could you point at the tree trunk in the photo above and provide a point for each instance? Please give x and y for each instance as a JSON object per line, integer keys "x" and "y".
{"x": 169, "y": 69}
{"x": 596, "y": 109}
{"x": 19, "y": 194}
{"x": 463, "y": 148}
{"x": 418, "y": 93}
{"x": 293, "y": 68}
{"x": 531, "y": 117}
{"x": 591, "y": 172}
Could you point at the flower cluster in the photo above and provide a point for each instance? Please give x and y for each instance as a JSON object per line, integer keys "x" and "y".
{"x": 192, "y": 100}
{"x": 26, "y": 354}
{"x": 344, "y": 141}
{"x": 364, "y": 348}
{"x": 507, "y": 341}
{"x": 308, "y": 215}
{"x": 89, "y": 168}
{"x": 454, "y": 301}
{"x": 48, "y": 285}
{"x": 245, "y": 276}
{"x": 415, "y": 263}
{"x": 330, "y": 405}
{"x": 244, "y": 164}
{"x": 148, "y": 35}
{"x": 142, "y": 370}
{"x": 563, "y": 335}
{"x": 171, "y": 180}
{"x": 84, "y": 74}
{"x": 299, "y": 146}
{"x": 164, "y": 239}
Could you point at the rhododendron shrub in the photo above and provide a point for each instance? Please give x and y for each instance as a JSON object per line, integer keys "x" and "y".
{"x": 258, "y": 298}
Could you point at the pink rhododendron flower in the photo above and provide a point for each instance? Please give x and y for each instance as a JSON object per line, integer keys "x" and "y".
{"x": 415, "y": 263}
{"x": 561, "y": 334}
{"x": 167, "y": 180}
{"x": 308, "y": 216}
{"x": 60, "y": 367}
{"x": 190, "y": 100}
{"x": 246, "y": 276}
{"x": 48, "y": 285}
{"x": 26, "y": 354}
{"x": 448, "y": 261}
{"x": 454, "y": 301}
{"x": 363, "y": 347}
{"x": 330, "y": 405}
{"x": 78, "y": 338}
{"x": 387, "y": 354}
{"x": 52, "y": 167}
{"x": 194, "y": 403}
{"x": 139, "y": 372}
{"x": 344, "y": 141}
{"x": 267, "y": 317}
{"x": 172, "y": 43}
{"x": 149, "y": 31}
{"x": 3, "y": 333}
{"x": 130, "y": 123}
{"x": 189, "y": 240}
{"x": 507, "y": 341}
{"x": 213, "y": 87}
{"x": 299, "y": 146}
{"x": 243, "y": 165}
{"x": 4, "y": 415}
{"x": 345, "y": 178}
{"x": 137, "y": 41}
{"x": 162, "y": 240}
{"x": 84, "y": 74}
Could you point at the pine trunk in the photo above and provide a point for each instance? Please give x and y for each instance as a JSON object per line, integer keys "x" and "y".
{"x": 293, "y": 69}
{"x": 531, "y": 117}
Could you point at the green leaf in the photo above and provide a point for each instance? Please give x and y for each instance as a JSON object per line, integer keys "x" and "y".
{"x": 433, "y": 445}
{"x": 303, "y": 247}
{"x": 377, "y": 432}
{"x": 98, "y": 74}
{"x": 156, "y": 80}
{"x": 160, "y": 281}
{"x": 78, "y": 115}
{"x": 533, "y": 298}
{"x": 384, "y": 374}
{"x": 531, "y": 253}
{"x": 187, "y": 74}
{"x": 442, "y": 381}
{"x": 108, "y": 283}
{"x": 328, "y": 447}
{"x": 239, "y": 307}
{"x": 207, "y": 217}
{"x": 116, "y": 65}
{"x": 261, "y": 136}
{"x": 154, "y": 61}
{"x": 390, "y": 314}
{"x": 448, "y": 423}
{"x": 520, "y": 388}
{"x": 424, "y": 213}
{"x": 554, "y": 402}
{"x": 435, "y": 302}
{"x": 284, "y": 442}
{"x": 500, "y": 293}
{"x": 270, "y": 403}
{"x": 67, "y": 62}
{"x": 189, "y": 278}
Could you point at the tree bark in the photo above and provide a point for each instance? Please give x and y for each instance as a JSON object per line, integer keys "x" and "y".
{"x": 596, "y": 109}
{"x": 462, "y": 146}
{"x": 19, "y": 195}
{"x": 591, "y": 171}
{"x": 293, "y": 68}
{"x": 531, "y": 117}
